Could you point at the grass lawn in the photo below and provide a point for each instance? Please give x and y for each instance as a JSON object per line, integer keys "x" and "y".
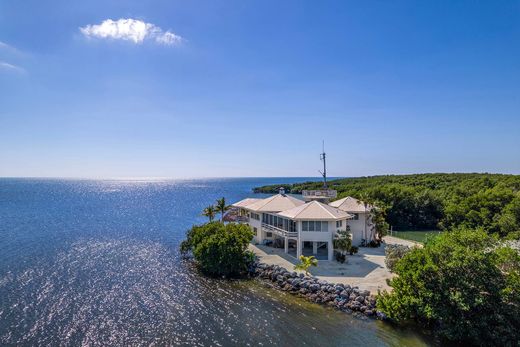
{"x": 414, "y": 235}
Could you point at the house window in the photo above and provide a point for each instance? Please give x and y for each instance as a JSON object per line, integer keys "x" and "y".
{"x": 255, "y": 231}
{"x": 255, "y": 216}
{"x": 339, "y": 224}
{"x": 356, "y": 216}
{"x": 269, "y": 234}
{"x": 315, "y": 226}
{"x": 324, "y": 226}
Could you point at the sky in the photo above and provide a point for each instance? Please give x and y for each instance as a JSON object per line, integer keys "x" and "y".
{"x": 251, "y": 88}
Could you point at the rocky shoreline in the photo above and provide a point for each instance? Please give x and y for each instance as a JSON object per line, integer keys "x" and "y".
{"x": 341, "y": 296}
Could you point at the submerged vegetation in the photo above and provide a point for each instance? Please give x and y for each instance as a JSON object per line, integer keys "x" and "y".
{"x": 431, "y": 201}
{"x": 464, "y": 284}
{"x": 219, "y": 249}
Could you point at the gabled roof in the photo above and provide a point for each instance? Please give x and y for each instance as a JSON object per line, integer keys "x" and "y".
{"x": 350, "y": 204}
{"x": 245, "y": 202}
{"x": 275, "y": 203}
{"x": 315, "y": 210}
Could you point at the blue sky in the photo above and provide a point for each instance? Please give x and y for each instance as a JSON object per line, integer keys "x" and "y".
{"x": 250, "y": 88}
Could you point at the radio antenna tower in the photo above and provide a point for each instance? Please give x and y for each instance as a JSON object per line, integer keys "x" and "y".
{"x": 324, "y": 173}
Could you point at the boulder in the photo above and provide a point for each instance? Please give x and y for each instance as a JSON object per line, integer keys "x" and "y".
{"x": 344, "y": 294}
{"x": 314, "y": 287}
{"x": 296, "y": 282}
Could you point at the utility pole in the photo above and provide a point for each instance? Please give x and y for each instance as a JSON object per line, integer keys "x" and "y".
{"x": 323, "y": 158}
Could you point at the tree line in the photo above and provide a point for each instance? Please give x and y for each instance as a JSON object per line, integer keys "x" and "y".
{"x": 434, "y": 201}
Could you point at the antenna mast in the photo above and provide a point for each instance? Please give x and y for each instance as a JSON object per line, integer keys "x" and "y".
{"x": 324, "y": 173}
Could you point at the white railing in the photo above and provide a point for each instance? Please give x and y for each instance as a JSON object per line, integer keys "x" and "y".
{"x": 279, "y": 231}
{"x": 320, "y": 193}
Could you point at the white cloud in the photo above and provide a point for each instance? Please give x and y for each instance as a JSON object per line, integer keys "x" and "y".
{"x": 6, "y": 66}
{"x": 131, "y": 30}
{"x": 8, "y": 48}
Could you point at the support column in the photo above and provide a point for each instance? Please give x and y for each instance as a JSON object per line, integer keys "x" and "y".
{"x": 286, "y": 244}
{"x": 298, "y": 240}
{"x": 330, "y": 249}
{"x": 314, "y": 247}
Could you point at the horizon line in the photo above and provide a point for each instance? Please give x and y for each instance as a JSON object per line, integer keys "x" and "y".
{"x": 158, "y": 178}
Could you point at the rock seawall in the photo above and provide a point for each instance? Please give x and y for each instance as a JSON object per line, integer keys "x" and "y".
{"x": 342, "y": 296}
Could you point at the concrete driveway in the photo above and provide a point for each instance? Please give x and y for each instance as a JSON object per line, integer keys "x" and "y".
{"x": 366, "y": 269}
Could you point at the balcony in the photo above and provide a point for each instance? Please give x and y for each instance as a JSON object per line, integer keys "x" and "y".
{"x": 242, "y": 219}
{"x": 278, "y": 231}
{"x": 319, "y": 194}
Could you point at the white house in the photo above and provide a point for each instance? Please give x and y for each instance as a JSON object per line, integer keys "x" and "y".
{"x": 361, "y": 226}
{"x": 309, "y": 227}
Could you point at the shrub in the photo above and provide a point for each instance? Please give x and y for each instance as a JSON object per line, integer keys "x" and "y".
{"x": 353, "y": 250}
{"x": 462, "y": 285}
{"x": 219, "y": 249}
{"x": 340, "y": 257}
{"x": 394, "y": 253}
{"x": 374, "y": 243}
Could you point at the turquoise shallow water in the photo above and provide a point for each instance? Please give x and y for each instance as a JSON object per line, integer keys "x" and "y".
{"x": 96, "y": 262}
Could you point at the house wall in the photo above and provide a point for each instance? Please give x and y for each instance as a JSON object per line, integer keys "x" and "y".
{"x": 357, "y": 228}
{"x": 253, "y": 223}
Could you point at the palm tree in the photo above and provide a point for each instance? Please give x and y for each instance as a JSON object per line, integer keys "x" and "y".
{"x": 305, "y": 263}
{"x": 221, "y": 207}
{"x": 210, "y": 212}
{"x": 343, "y": 241}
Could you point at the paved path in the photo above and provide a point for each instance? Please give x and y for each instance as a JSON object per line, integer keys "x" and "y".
{"x": 366, "y": 269}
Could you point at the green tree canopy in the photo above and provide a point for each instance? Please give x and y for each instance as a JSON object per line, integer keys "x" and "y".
{"x": 219, "y": 249}
{"x": 464, "y": 284}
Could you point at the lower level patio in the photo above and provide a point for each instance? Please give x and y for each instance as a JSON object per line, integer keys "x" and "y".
{"x": 366, "y": 269}
{"x": 277, "y": 245}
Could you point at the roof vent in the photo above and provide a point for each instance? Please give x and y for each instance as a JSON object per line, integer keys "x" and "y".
{"x": 281, "y": 190}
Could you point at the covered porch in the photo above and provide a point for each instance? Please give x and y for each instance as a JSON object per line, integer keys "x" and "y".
{"x": 294, "y": 246}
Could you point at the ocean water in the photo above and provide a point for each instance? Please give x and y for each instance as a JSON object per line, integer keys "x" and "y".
{"x": 96, "y": 262}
